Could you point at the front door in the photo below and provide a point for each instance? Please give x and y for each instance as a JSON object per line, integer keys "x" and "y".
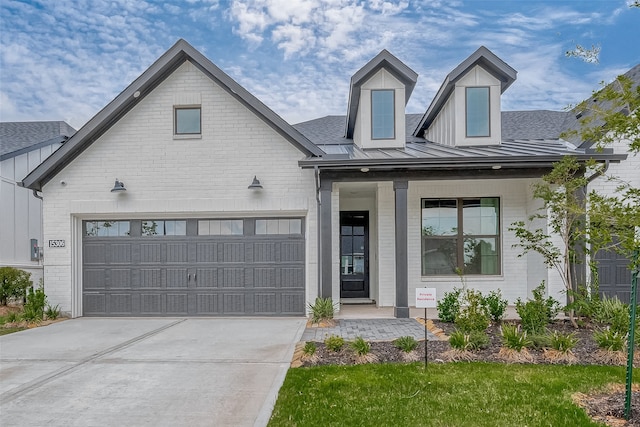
{"x": 354, "y": 254}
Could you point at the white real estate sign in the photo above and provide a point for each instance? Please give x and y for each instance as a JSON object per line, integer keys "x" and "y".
{"x": 426, "y": 298}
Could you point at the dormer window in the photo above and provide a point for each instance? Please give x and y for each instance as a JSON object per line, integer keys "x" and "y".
{"x": 477, "y": 112}
{"x": 383, "y": 114}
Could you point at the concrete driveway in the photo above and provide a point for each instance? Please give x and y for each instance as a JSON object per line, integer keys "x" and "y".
{"x": 138, "y": 372}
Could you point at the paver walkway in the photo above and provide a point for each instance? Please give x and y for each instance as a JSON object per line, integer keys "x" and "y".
{"x": 370, "y": 330}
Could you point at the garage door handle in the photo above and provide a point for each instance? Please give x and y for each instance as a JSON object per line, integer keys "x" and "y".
{"x": 195, "y": 277}
{"x": 189, "y": 277}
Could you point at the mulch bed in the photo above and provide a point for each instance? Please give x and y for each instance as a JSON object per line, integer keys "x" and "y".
{"x": 606, "y": 406}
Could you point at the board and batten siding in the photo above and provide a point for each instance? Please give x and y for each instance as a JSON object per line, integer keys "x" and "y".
{"x": 167, "y": 177}
{"x": 21, "y": 211}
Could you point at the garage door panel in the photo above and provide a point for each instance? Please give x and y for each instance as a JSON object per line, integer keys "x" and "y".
{"x": 150, "y": 278}
{"x": 120, "y": 253}
{"x": 207, "y": 252}
{"x": 210, "y": 275}
{"x": 233, "y": 252}
{"x": 94, "y": 254}
{"x": 177, "y": 253}
{"x": 265, "y": 303}
{"x": 94, "y": 278}
{"x": 120, "y": 303}
{"x": 291, "y": 302}
{"x": 264, "y": 277}
{"x": 233, "y": 303}
{"x": 233, "y": 277}
{"x": 151, "y": 304}
{"x": 292, "y": 277}
{"x": 177, "y": 278}
{"x": 207, "y": 278}
{"x": 150, "y": 253}
{"x": 95, "y": 303}
{"x": 208, "y": 303}
{"x": 120, "y": 278}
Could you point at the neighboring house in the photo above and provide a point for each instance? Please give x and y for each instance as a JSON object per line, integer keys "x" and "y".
{"x": 614, "y": 275}
{"x": 23, "y": 146}
{"x": 187, "y": 196}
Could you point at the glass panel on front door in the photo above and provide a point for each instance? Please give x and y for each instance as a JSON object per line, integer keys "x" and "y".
{"x": 354, "y": 280}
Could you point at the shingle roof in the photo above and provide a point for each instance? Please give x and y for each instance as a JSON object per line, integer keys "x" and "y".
{"x": 18, "y": 136}
{"x": 572, "y": 122}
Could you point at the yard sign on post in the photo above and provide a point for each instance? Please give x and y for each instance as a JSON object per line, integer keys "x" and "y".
{"x": 425, "y": 298}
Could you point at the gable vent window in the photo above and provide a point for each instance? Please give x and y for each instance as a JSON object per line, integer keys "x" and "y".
{"x": 383, "y": 114}
{"x": 187, "y": 120}
{"x": 477, "y": 99}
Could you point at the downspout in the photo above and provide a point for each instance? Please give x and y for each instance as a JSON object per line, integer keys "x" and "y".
{"x": 35, "y": 194}
{"x": 596, "y": 174}
{"x": 318, "y": 228}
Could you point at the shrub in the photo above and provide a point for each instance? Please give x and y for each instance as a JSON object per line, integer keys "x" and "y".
{"x": 13, "y": 317}
{"x": 360, "y": 346}
{"x": 478, "y": 340}
{"x": 613, "y": 313}
{"x": 538, "y": 312}
{"x": 36, "y": 302}
{"x": 610, "y": 340}
{"x": 13, "y": 284}
{"x": 406, "y": 343}
{"x": 496, "y": 306}
{"x": 585, "y": 301}
{"x": 334, "y": 343}
{"x": 513, "y": 338}
{"x": 310, "y": 348}
{"x": 459, "y": 340}
{"x": 540, "y": 340}
{"x": 449, "y": 306}
{"x": 563, "y": 342}
{"x": 473, "y": 316}
{"x": 322, "y": 309}
{"x": 52, "y": 313}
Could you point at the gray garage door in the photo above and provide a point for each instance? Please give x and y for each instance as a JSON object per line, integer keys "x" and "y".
{"x": 614, "y": 275}
{"x": 218, "y": 267}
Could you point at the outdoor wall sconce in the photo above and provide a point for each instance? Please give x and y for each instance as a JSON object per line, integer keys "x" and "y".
{"x": 118, "y": 187}
{"x": 255, "y": 185}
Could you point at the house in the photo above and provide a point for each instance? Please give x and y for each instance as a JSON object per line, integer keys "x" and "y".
{"x": 614, "y": 275}
{"x": 23, "y": 146}
{"x": 186, "y": 195}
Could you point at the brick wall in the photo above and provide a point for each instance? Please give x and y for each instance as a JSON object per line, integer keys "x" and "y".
{"x": 167, "y": 177}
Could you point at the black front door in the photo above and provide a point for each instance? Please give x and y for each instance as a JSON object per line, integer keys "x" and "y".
{"x": 354, "y": 254}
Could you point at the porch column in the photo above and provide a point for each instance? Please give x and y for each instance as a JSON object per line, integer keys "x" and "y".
{"x": 324, "y": 241}
{"x": 402, "y": 276}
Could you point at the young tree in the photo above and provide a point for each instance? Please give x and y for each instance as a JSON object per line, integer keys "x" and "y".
{"x": 563, "y": 209}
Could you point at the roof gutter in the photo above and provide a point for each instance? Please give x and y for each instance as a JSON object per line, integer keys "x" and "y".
{"x": 451, "y": 163}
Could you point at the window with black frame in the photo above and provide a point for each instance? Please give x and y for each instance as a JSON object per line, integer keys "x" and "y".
{"x": 461, "y": 235}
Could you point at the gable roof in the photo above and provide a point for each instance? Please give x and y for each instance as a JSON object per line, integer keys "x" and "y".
{"x": 572, "y": 122}
{"x": 483, "y": 57}
{"x": 173, "y": 58}
{"x": 382, "y": 60}
{"x": 21, "y": 137}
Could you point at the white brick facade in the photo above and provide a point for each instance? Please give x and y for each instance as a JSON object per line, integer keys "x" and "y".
{"x": 175, "y": 178}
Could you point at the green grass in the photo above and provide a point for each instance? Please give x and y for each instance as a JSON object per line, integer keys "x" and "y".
{"x": 454, "y": 394}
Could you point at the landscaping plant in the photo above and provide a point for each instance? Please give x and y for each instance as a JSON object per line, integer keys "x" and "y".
{"x": 33, "y": 310}
{"x": 538, "y": 312}
{"x": 322, "y": 309}
{"x": 611, "y": 346}
{"x": 310, "y": 348}
{"x": 496, "y": 306}
{"x": 406, "y": 343}
{"x": 362, "y": 349}
{"x": 52, "y": 313}
{"x": 334, "y": 343}
{"x": 449, "y": 306}
{"x": 13, "y": 284}
{"x": 473, "y": 314}
{"x": 561, "y": 350}
{"x": 514, "y": 344}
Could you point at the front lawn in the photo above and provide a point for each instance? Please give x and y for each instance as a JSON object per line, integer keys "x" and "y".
{"x": 453, "y": 394}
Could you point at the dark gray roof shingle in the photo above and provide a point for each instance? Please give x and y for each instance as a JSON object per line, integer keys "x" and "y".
{"x": 18, "y": 136}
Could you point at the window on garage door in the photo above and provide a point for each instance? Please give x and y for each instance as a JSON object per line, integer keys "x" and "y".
{"x": 104, "y": 228}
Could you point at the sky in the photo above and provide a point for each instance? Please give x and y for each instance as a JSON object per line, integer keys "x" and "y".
{"x": 67, "y": 59}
